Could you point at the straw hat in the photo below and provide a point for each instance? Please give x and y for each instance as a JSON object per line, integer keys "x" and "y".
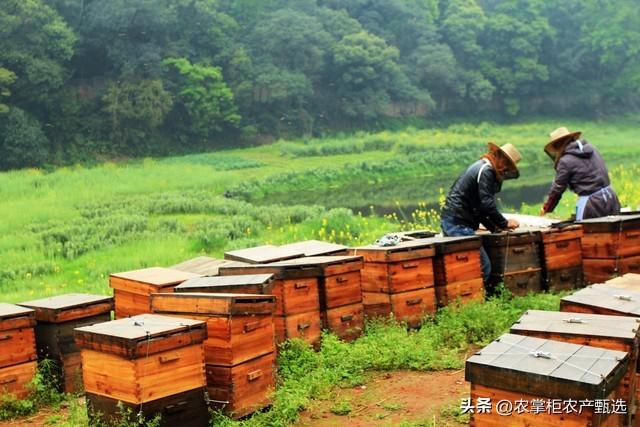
{"x": 510, "y": 152}
{"x": 559, "y": 135}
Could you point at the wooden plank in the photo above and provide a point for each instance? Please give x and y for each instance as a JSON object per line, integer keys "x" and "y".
{"x": 212, "y": 304}
{"x": 603, "y": 299}
{"x": 71, "y": 373}
{"x": 520, "y": 282}
{"x": 347, "y": 322}
{"x": 11, "y": 311}
{"x": 463, "y": 291}
{"x": 64, "y": 308}
{"x": 155, "y": 276}
{"x": 340, "y": 290}
{"x": 602, "y": 270}
{"x": 413, "y": 306}
{"x": 312, "y": 248}
{"x": 610, "y": 223}
{"x": 403, "y": 251}
{"x": 15, "y": 380}
{"x": 457, "y": 267}
{"x": 562, "y": 254}
{"x": 564, "y": 279}
{"x": 448, "y": 245}
{"x": 242, "y": 389}
{"x": 262, "y": 254}
{"x": 411, "y": 275}
{"x": 202, "y": 265}
{"x": 375, "y": 277}
{"x": 18, "y": 346}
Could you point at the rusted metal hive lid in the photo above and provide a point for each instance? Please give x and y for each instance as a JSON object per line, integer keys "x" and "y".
{"x": 9, "y": 311}
{"x": 578, "y": 324}
{"x": 547, "y": 368}
{"x": 212, "y": 282}
{"x": 156, "y": 276}
{"x": 263, "y": 254}
{"x": 314, "y": 248}
{"x": 607, "y": 297}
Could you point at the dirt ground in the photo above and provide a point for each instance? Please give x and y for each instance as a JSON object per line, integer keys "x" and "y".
{"x": 391, "y": 399}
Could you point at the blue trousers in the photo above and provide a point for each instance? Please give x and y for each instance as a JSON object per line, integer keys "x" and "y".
{"x": 451, "y": 229}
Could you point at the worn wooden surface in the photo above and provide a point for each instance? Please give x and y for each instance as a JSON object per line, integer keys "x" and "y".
{"x": 569, "y": 371}
{"x": 564, "y": 279}
{"x": 611, "y": 245}
{"x": 187, "y": 409}
{"x": 262, "y": 254}
{"x": 630, "y": 281}
{"x": 611, "y": 223}
{"x": 347, "y": 322}
{"x": 56, "y": 339}
{"x": 340, "y": 289}
{"x": 403, "y": 251}
{"x": 520, "y": 282}
{"x": 15, "y": 317}
{"x": 144, "y": 379}
{"x": 212, "y": 304}
{"x": 602, "y": 270}
{"x": 202, "y": 265}
{"x": 316, "y": 248}
{"x": 158, "y": 277}
{"x": 562, "y": 252}
{"x": 243, "y": 284}
{"x": 138, "y": 336}
{"x": 448, "y": 245}
{"x": 242, "y": 389}
{"x": 68, "y": 307}
{"x": 457, "y": 267}
{"x": 18, "y": 346}
{"x": 603, "y": 299}
{"x": 303, "y": 325}
{"x": 410, "y": 307}
{"x": 462, "y": 291}
{"x": 15, "y": 379}
{"x": 400, "y": 276}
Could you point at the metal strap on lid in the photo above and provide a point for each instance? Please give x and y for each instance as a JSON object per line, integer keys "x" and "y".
{"x": 574, "y": 320}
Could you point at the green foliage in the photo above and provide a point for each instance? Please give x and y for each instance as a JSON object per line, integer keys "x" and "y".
{"x": 7, "y": 78}
{"x": 22, "y": 141}
{"x": 205, "y": 96}
{"x": 342, "y": 408}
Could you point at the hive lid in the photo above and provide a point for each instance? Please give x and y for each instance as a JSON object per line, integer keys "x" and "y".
{"x": 212, "y": 304}
{"x": 630, "y": 281}
{"x": 315, "y": 247}
{"x": 9, "y": 311}
{"x": 607, "y": 297}
{"x": 578, "y": 324}
{"x": 305, "y": 270}
{"x": 263, "y": 254}
{"x": 512, "y": 237}
{"x": 156, "y": 276}
{"x": 611, "y": 223}
{"x": 547, "y": 368}
{"x": 203, "y": 265}
{"x": 67, "y": 307}
{"x": 320, "y": 261}
{"x": 212, "y": 282}
{"x": 137, "y": 336}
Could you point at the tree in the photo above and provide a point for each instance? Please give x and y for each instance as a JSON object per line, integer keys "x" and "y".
{"x": 22, "y": 141}
{"x": 7, "y": 78}
{"x": 205, "y": 96}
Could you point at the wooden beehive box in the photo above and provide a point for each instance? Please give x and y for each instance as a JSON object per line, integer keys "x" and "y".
{"x": 152, "y": 364}
{"x": 520, "y": 368}
{"x": 241, "y": 284}
{"x": 297, "y": 310}
{"x": 56, "y": 319}
{"x": 202, "y": 265}
{"x": 313, "y": 248}
{"x": 458, "y": 273}
{"x": 629, "y": 281}
{"x": 515, "y": 260}
{"x": 18, "y": 356}
{"x": 340, "y": 292}
{"x": 132, "y": 289}
{"x": 263, "y": 254}
{"x": 240, "y": 326}
{"x": 603, "y": 299}
{"x": 611, "y": 332}
{"x": 562, "y": 257}
{"x": 610, "y": 247}
{"x": 398, "y": 280}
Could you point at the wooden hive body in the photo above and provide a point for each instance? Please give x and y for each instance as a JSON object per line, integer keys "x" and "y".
{"x": 132, "y": 289}
{"x": 339, "y": 292}
{"x": 261, "y": 284}
{"x": 517, "y": 367}
{"x": 562, "y": 257}
{"x": 149, "y": 360}
{"x": 611, "y": 247}
{"x": 515, "y": 260}
{"x": 240, "y": 348}
{"x": 57, "y": 317}
{"x": 595, "y": 330}
{"x": 398, "y": 280}
{"x": 297, "y": 306}
{"x": 458, "y": 273}
{"x": 18, "y": 355}
{"x": 240, "y": 326}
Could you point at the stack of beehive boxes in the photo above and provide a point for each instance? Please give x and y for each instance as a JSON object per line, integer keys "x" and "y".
{"x": 18, "y": 356}
{"x": 56, "y": 319}
{"x": 562, "y": 257}
{"x": 240, "y": 348}
{"x": 610, "y": 247}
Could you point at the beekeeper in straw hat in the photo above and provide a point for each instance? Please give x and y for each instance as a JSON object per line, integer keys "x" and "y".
{"x": 580, "y": 167}
{"x": 472, "y": 198}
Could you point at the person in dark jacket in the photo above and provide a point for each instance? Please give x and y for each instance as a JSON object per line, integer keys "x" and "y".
{"x": 580, "y": 167}
{"x": 472, "y": 198}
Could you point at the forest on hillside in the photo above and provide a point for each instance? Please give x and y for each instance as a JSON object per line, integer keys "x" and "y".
{"x": 96, "y": 79}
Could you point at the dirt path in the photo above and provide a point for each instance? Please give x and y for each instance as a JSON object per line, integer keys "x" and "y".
{"x": 391, "y": 399}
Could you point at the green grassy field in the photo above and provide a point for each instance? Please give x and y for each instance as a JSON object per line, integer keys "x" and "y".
{"x": 66, "y": 230}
